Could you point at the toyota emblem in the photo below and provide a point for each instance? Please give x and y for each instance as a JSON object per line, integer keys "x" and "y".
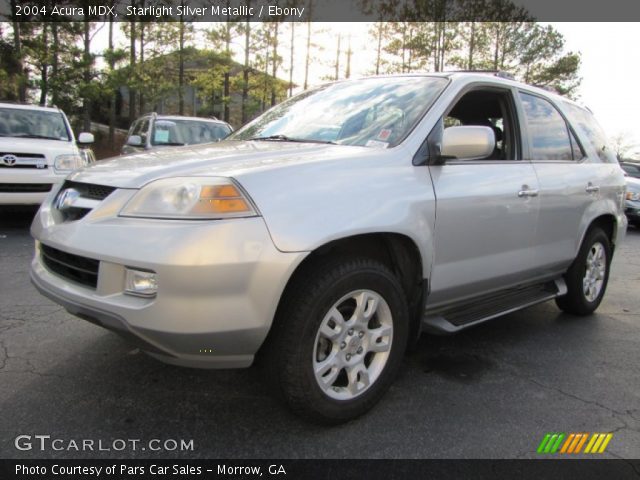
{"x": 9, "y": 160}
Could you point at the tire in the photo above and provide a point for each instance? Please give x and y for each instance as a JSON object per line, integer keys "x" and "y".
{"x": 587, "y": 287}
{"x": 319, "y": 354}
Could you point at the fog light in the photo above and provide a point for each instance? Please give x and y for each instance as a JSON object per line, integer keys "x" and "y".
{"x": 141, "y": 283}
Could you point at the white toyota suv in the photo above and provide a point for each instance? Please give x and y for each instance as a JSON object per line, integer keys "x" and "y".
{"x": 37, "y": 151}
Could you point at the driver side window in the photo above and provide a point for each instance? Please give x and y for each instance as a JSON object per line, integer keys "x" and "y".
{"x": 489, "y": 108}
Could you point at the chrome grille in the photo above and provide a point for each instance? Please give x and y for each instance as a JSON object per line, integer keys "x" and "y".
{"x": 22, "y": 160}
{"x": 93, "y": 193}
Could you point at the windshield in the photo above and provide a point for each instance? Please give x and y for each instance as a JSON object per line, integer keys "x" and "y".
{"x": 374, "y": 112}
{"x": 187, "y": 132}
{"x": 18, "y": 122}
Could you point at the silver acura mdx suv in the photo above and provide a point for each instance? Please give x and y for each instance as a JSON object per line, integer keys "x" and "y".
{"x": 325, "y": 235}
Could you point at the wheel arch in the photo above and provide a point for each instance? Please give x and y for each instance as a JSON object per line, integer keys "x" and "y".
{"x": 396, "y": 251}
{"x": 608, "y": 223}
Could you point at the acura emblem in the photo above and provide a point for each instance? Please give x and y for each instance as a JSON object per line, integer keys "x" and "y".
{"x": 9, "y": 160}
{"x": 66, "y": 198}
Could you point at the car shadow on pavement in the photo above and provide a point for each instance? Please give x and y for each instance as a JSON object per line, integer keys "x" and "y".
{"x": 16, "y": 217}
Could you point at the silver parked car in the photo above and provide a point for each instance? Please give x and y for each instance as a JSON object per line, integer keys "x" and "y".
{"x": 632, "y": 204}
{"x": 328, "y": 233}
{"x": 155, "y": 131}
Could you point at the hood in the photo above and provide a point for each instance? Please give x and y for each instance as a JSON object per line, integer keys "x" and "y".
{"x": 49, "y": 148}
{"x": 226, "y": 159}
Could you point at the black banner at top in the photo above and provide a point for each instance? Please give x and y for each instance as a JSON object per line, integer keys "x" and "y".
{"x": 320, "y": 10}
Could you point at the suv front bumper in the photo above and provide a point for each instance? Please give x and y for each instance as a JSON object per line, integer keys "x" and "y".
{"x": 219, "y": 283}
{"x": 28, "y": 186}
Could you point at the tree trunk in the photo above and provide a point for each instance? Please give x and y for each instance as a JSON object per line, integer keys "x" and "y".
{"x": 443, "y": 45}
{"x": 274, "y": 67}
{"x": 112, "y": 103}
{"x": 17, "y": 52}
{"x": 347, "y": 72}
{"x": 54, "y": 63}
{"x": 472, "y": 46}
{"x": 293, "y": 31}
{"x": 225, "y": 100}
{"x": 181, "y": 67}
{"x": 141, "y": 96}
{"x": 265, "y": 77}
{"x": 380, "y": 26}
{"x": 410, "y": 60}
{"x": 497, "y": 48}
{"x": 44, "y": 80}
{"x": 434, "y": 46}
{"x": 132, "y": 64}
{"x": 307, "y": 60}
{"x": 404, "y": 47}
{"x": 245, "y": 71}
{"x": 338, "y": 58}
{"x": 308, "y": 57}
{"x": 86, "y": 77}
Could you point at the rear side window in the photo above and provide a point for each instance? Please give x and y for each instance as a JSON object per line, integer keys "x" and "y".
{"x": 583, "y": 119}
{"x": 548, "y": 132}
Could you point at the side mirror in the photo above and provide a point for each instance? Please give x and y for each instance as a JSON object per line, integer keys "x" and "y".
{"x": 134, "y": 141}
{"x": 468, "y": 142}
{"x": 85, "y": 137}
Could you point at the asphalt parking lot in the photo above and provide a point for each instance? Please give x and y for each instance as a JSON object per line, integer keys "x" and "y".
{"x": 490, "y": 392}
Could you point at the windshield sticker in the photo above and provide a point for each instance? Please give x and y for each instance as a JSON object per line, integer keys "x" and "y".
{"x": 376, "y": 144}
{"x": 384, "y": 134}
{"x": 161, "y": 136}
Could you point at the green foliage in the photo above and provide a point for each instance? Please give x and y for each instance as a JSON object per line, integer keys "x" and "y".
{"x": 210, "y": 81}
{"x": 9, "y": 71}
{"x": 430, "y": 36}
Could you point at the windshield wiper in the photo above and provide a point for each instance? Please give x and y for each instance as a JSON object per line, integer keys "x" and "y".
{"x": 284, "y": 138}
{"x": 170, "y": 144}
{"x": 43, "y": 137}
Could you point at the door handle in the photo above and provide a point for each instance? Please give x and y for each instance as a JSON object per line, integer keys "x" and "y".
{"x": 592, "y": 188}
{"x": 528, "y": 193}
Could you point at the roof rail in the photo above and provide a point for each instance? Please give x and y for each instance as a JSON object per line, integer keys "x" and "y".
{"x": 496, "y": 73}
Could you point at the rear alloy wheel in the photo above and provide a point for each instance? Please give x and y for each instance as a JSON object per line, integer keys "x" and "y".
{"x": 588, "y": 275}
{"x": 338, "y": 339}
{"x": 596, "y": 267}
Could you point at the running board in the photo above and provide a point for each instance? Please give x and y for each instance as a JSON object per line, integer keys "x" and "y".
{"x": 453, "y": 318}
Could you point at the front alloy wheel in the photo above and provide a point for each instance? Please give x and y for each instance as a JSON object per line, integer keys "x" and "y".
{"x": 353, "y": 344}
{"x": 338, "y": 338}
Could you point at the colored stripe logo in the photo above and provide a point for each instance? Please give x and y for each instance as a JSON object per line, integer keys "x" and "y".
{"x": 574, "y": 443}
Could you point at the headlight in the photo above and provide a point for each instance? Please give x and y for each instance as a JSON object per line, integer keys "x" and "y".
{"x": 190, "y": 198}
{"x": 67, "y": 163}
{"x": 635, "y": 196}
